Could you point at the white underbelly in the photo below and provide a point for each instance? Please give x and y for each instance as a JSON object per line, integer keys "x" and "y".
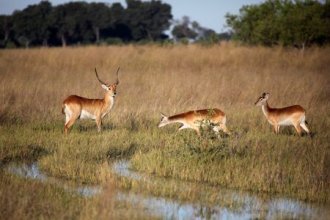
{"x": 285, "y": 122}
{"x": 86, "y": 115}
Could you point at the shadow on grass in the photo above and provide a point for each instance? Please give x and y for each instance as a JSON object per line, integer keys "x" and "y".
{"x": 290, "y": 131}
{"x": 92, "y": 127}
{"x": 27, "y": 153}
{"x": 120, "y": 153}
{"x": 7, "y": 119}
{"x": 136, "y": 123}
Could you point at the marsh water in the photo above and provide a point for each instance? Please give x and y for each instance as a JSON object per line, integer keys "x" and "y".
{"x": 226, "y": 204}
{"x": 32, "y": 171}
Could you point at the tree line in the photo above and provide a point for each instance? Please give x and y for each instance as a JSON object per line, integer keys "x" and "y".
{"x": 298, "y": 23}
{"x": 93, "y": 23}
{"x": 85, "y": 23}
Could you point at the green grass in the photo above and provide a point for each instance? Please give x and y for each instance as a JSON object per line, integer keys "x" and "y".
{"x": 257, "y": 161}
{"x": 170, "y": 80}
{"x": 28, "y": 199}
{"x": 78, "y": 158}
{"x": 249, "y": 159}
{"x": 284, "y": 164}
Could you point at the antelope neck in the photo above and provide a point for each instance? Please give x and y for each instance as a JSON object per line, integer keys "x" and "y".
{"x": 266, "y": 108}
{"x": 174, "y": 119}
{"x": 109, "y": 98}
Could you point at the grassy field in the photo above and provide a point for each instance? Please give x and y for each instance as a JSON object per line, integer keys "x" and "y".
{"x": 171, "y": 80}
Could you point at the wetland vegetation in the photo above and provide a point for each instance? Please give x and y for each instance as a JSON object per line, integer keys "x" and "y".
{"x": 154, "y": 79}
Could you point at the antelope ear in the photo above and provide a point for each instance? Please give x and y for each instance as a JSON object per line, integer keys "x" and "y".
{"x": 105, "y": 87}
{"x": 266, "y": 96}
{"x": 163, "y": 115}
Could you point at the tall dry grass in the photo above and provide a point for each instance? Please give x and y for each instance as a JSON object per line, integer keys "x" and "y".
{"x": 167, "y": 79}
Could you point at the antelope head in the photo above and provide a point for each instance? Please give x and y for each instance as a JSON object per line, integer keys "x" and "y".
{"x": 163, "y": 121}
{"x": 110, "y": 88}
{"x": 262, "y": 99}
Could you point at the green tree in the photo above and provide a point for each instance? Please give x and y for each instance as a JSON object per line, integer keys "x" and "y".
{"x": 302, "y": 23}
{"x": 183, "y": 30}
{"x": 295, "y": 23}
{"x": 6, "y": 27}
{"x": 81, "y": 22}
{"x": 99, "y": 17}
{"x": 147, "y": 20}
{"x": 119, "y": 28}
{"x": 70, "y": 22}
{"x": 186, "y": 30}
{"x": 32, "y": 24}
{"x": 204, "y": 35}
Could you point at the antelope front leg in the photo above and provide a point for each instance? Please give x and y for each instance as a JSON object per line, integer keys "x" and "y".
{"x": 98, "y": 124}
{"x": 198, "y": 132}
{"x": 298, "y": 129}
{"x": 224, "y": 128}
{"x": 276, "y": 128}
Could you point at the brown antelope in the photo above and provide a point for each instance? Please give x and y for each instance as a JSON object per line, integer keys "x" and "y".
{"x": 195, "y": 119}
{"x": 291, "y": 115}
{"x": 75, "y": 107}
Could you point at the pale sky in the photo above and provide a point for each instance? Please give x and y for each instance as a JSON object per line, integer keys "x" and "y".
{"x": 208, "y": 13}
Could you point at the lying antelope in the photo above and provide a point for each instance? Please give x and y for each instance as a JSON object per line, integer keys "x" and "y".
{"x": 195, "y": 119}
{"x": 75, "y": 107}
{"x": 291, "y": 115}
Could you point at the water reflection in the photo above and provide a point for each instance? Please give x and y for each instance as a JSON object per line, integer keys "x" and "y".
{"x": 32, "y": 171}
{"x": 26, "y": 170}
{"x": 229, "y": 204}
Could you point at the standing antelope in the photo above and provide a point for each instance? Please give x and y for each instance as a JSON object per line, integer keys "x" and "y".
{"x": 75, "y": 107}
{"x": 291, "y": 115}
{"x": 195, "y": 119}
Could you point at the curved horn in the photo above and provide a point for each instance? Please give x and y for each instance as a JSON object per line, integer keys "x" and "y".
{"x": 97, "y": 76}
{"x": 117, "y": 81}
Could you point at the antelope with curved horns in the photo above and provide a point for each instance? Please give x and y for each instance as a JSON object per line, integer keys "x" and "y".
{"x": 195, "y": 119}
{"x": 75, "y": 107}
{"x": 291, "y": 115}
